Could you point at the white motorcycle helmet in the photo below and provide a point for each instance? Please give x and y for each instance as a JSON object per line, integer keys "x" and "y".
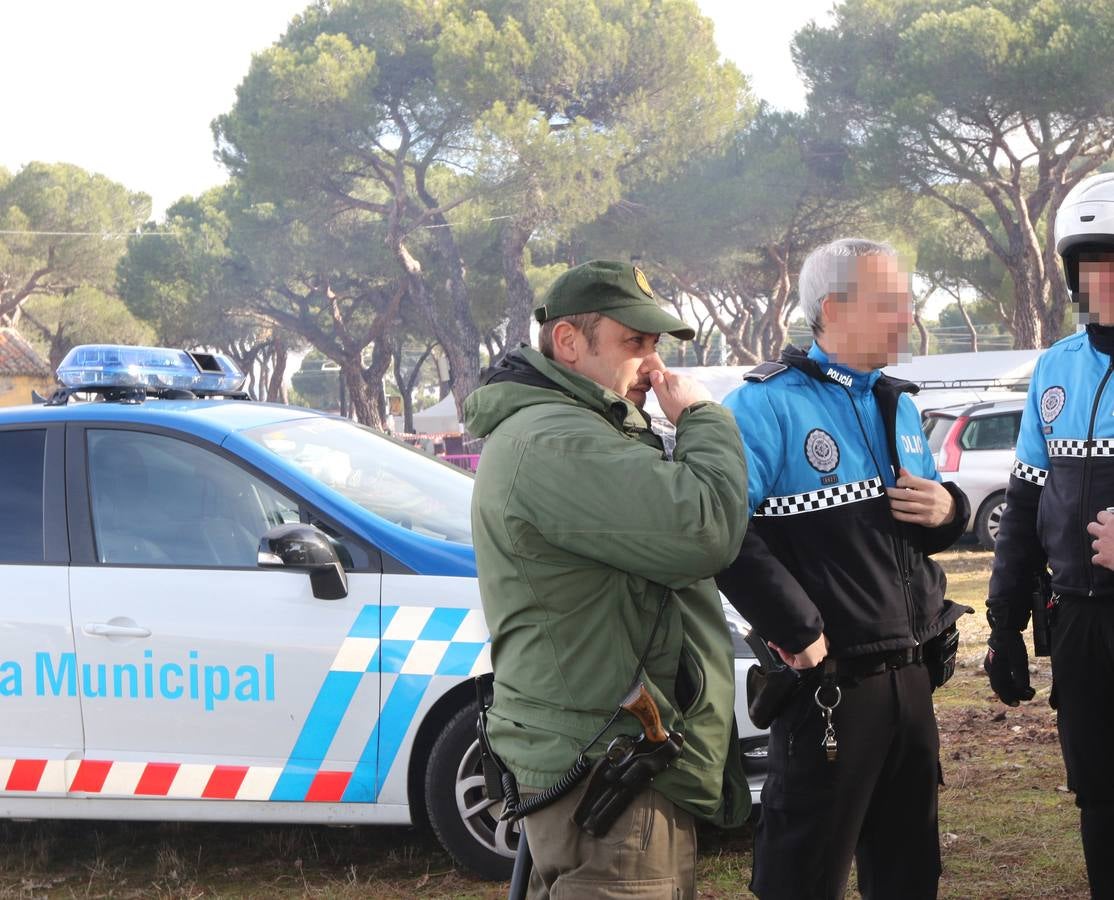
{"x": 1085, "y": 224}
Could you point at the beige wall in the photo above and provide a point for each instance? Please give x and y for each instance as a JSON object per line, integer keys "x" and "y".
{"x": 15, "y": 390}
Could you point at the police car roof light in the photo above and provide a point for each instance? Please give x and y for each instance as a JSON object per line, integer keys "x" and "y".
{"x": 106, "y": 366}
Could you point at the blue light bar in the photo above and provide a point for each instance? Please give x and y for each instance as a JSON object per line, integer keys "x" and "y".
{"x": 114, "y": 365}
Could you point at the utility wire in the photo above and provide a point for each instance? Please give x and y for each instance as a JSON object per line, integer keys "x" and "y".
{"x": 118, "y": 234}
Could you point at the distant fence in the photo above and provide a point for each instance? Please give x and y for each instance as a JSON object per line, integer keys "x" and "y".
{"x": 467, "y": 461}
{"x": 452, "y": 447}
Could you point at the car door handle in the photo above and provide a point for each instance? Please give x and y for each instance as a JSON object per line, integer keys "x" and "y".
{"x": 104, "y": 629}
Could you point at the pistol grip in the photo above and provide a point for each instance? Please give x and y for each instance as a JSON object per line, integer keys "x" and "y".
{"x": 641, "y": 705}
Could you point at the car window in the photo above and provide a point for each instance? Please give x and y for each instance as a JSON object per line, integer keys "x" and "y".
{"x": 157, "y": 500}
{"x": 997, "y": 432}
{"x": 21, "y": 495}
{"x": 401, "y": 485}
{"x": 936, "y": 429}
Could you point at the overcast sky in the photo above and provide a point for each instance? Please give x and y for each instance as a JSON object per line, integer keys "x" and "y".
{"x": 128, "y": 88}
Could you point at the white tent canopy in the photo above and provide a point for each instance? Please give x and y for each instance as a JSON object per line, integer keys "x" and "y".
{"x": 437, "y": 419}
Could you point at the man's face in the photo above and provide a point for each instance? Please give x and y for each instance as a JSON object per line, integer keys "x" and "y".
{"x": 870, "y": 329}
{"x": 621, "y": 360}
{"x": 1096, "y": 286}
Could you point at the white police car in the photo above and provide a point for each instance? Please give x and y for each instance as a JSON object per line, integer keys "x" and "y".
{"x": 215, "y": 609}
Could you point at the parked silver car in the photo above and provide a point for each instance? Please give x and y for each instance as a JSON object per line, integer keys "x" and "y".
{"x": 974, "y": 447}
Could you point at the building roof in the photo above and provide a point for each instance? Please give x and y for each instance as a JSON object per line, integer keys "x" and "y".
{"x": 17, "y": 357}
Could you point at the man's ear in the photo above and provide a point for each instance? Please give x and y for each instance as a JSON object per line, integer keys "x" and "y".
{"x": 830, "y": 309}
{"x": 565, "y": 350}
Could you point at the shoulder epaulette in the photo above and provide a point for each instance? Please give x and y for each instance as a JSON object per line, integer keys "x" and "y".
{"x": 765, "y": 371}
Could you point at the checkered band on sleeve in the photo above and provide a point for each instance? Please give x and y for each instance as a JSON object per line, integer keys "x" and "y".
{"x": 837, "y": 495}
{"x": 1067, "y": 448}
{"x": 1063, "y": 447}
{"x": 1026, "y": 472}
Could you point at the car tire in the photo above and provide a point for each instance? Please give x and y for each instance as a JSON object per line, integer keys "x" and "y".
{"x": 465, "y": 821}
{"x": 986, "y": 522}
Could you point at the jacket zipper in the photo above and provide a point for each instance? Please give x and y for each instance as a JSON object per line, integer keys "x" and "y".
{"x": 897, "y": 540}
{"x": 1084, "y": 494}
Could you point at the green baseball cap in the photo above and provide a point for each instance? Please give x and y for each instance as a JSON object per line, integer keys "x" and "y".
{"x": 618, "y": 290}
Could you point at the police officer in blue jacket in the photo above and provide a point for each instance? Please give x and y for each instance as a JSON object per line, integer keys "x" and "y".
{"x": 846, "y": 505}
{"x": 1056, "y": 515}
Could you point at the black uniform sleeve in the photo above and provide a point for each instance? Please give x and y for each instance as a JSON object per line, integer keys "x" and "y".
{"x": 1018, "y": 557}
{"x": 769, "y": 597}
{"x": 935, "y": 540}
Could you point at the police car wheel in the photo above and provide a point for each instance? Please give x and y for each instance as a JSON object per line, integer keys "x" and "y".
{"x": 989, "y": 518}
{"x": 465, "y": 821}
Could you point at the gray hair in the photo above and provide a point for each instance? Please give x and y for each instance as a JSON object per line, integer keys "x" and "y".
{"x": 830, "y": 269}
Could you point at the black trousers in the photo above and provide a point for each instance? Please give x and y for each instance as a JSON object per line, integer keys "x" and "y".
{"x": 1083, "y": 695}
{"x": 876, "y": 802}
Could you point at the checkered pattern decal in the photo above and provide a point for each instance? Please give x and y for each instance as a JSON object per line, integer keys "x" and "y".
{"x": 1026, "y": 472}
{"x": 404, "y": 646}
{"x": 1063, "y": 447}
{"x": 810, "y": 501}
{"x": 408, "y": 646}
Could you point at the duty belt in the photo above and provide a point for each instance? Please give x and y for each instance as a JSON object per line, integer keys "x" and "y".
{"x": 874, "y": 663}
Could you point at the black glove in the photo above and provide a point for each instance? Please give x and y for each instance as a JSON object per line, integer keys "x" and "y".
{"x": 1007, "y": 664}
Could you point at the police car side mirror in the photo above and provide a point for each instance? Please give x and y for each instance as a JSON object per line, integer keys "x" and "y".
{"x": 306, "y": 548}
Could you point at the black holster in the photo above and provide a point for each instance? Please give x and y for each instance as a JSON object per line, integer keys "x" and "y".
{"x": 619, "y": 776}
{"x": 939, "y": 656}
{"x": 495, "y": 772}
{"x": 770, "y": 685}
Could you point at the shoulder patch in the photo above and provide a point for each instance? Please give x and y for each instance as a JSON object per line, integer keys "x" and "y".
{"x": 765, "y": 371}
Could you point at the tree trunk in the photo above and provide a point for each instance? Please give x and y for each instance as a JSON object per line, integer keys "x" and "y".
{"x": 373, "y": 379}
{"x": 1027, "y": 324}
{"x": 922, "y": 333}
{"x": 276, "y": 389}
{"x": 360, "y": 399}
{"x": 457, "y": 333}
{"x": 520, "y": 296}
{"x": 967, "y": 322}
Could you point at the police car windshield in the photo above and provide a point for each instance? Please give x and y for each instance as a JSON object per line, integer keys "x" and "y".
{"x": 401, "y": 485}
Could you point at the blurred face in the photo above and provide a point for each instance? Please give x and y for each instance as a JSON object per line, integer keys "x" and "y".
{"x": 621, "y": 358}
{"x": 870, "y": 329}
{"x": 1096, "y": 287}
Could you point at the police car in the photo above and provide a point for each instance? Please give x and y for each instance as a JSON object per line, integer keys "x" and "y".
{"x": 216, "y": 609}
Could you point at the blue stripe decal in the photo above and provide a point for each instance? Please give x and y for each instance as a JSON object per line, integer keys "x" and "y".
{"x": 459, "y": 659}
{"x": 317, "y": 734}
{"x": 397, "y": 707}
{"x": 442, "y": 624}
{"x": 395, "y": 719}
{"x": 362, "y": 785}
{"x": 366, "y": 624}
{"x": 393, "y": 654}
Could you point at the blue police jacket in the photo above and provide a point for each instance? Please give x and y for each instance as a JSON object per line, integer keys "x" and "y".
{"x": 823, "y": 553}
{"x": 1062, "y": 477}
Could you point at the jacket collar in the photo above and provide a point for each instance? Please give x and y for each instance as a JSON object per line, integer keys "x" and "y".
{"x": 817, "y": 364}
{"x": 528, "y": 367}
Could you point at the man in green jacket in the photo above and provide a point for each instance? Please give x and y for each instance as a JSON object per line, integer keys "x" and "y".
{"x": 581, "y": 528}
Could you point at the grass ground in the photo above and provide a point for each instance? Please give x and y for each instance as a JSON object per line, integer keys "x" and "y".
{"x": 1008, "y": 827}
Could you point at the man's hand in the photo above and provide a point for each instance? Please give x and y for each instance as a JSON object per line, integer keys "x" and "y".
{"x": 1007, "y": 664}
{"x": 1102, "y": 530}
{"x": 921, "y": 501}
{"x": 676, "y": 393}
{"x": 809, "y": 658}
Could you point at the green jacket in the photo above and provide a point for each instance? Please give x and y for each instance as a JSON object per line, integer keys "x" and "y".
{"x": 579, "y": 525}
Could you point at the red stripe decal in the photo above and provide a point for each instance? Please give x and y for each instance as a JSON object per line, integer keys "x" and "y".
{"x": 156, "y": 779}
{"x": 25, "y": 775}
{"x": 224, "y": 782}
{"x": 328, "y": 787}
{"x": 90, "y": 776}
